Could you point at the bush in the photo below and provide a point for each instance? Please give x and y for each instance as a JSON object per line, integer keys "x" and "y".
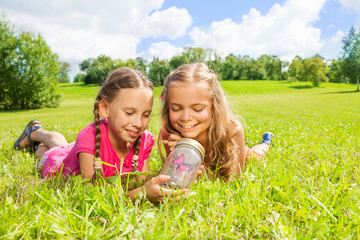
{"x": 28, "y": 71}
{"x": 97, "y": 69}
{"x": 79, "y": 77}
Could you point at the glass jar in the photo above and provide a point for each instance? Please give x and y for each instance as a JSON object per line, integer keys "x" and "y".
{"x": 183, "y": 163}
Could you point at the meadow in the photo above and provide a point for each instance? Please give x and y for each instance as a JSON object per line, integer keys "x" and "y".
{"x": 306, "y": 187}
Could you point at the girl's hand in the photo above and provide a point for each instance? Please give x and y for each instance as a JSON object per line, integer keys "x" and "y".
{"x": 155, "y": 193}
{"x": 199, "y": 173}
{"x": 172, "y": 140}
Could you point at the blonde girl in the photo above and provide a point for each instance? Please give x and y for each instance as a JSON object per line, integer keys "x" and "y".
{"x": 195, "y": 106}
{"x": 125, "y": 103}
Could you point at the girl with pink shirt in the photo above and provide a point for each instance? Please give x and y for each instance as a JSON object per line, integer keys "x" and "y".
{"x": 125, "y": 103}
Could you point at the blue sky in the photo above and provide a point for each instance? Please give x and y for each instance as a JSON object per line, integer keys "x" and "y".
{"x": 79, "y": 29}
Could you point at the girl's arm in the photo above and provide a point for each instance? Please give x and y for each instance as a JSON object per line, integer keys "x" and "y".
{"x": 154, "y": 192}
{"x": 152, "y": 188}
{"x": 146, "y": 168}
{"x": 86, "y": 161}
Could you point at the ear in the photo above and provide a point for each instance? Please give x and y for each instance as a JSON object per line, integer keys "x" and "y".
{"x": 104, "y": 108}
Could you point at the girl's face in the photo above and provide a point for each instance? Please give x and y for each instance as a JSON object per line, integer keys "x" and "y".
{"x": 190, "y": 110}
{"x": 128, "y": 114}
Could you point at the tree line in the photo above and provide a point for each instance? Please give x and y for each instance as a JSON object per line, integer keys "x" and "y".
{"x": 266, "y": 67}
{"x": 30, "y": 71}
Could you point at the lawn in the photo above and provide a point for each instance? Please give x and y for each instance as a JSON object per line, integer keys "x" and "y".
{"x": 307, "y": 186}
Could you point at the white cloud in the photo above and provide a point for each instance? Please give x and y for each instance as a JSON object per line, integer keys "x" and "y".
{"x": 285, "y": 31}
{"x": 351, "y": 4}
{"x": 337, "y": 37}
{"x": 172, "y": 23}
{"x": 80, "y": 29}
{"x": 162, "y": 50}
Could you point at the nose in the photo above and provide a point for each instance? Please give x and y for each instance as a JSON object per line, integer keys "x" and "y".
{"x": 186, "y": 116}
{"x": 137, "y": 122}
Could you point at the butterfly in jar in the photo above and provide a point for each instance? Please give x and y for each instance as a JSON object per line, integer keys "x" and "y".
{"x": 181, "y": 166}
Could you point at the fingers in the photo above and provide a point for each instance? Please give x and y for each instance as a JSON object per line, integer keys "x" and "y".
{"x": 199, "y": 172}
{"x": 160, "y": 179}
{"x": 174, "y": 192}
{"x": 168, "y": 192}
{"x": 172, "y": 143}
{"x": 174, "y": 137}
{"x": 172, "y": 140}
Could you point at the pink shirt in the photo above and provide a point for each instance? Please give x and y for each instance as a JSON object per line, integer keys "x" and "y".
{"x": 85, "y": 142}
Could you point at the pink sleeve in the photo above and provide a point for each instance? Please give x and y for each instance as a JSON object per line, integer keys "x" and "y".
{"x": 85, "y": 141}
{"x": 149, "y": 143}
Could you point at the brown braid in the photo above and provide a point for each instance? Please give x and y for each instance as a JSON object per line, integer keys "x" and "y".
{"x": 136, "y": 147}
{"x": 98, "y": 172}
{"x": 118, "y": 79}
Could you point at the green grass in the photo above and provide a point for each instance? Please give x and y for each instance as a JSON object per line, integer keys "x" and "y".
{"x": 306, "y": 188}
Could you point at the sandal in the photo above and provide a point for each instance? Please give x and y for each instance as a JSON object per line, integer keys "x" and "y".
{"x": 33, "y": 144}
{"x": 267, "y": 138}
{"x": 26, "y": 133}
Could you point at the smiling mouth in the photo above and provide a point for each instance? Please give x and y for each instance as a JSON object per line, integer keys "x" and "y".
{"x": 187, "y": 127}
{"x": 133, "y": 134}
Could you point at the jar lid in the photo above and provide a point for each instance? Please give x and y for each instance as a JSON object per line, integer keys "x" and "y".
{"x": 193, "y": 143}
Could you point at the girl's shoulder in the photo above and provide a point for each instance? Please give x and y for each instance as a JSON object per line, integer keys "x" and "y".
{"x": 90, "y": 129}
{"x": 234, "y": 125}
{"x": 235, "y": 130}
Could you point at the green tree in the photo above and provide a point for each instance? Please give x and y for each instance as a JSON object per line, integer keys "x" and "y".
{"x": 131, "y": 63}
{"x": 315, "y": 70}
{"x": 118, "y": 63}
{"x": 285, "y": 67}
{"x": 97, "y": 69}
{"x": 214, "y": 62}
{"x": 335, "y": 72}
{"x": 351, "y": 56}
{"x": 141, "y": 64}
{"x": 295, "y": 68}
{"x": 273, "y": 66}
{"x": 158, "y": 71}
{"x": 64, "y": 69}
{"x": 256, "y": 70}
{"x": 244, "y": 66}
{"x": 7, "y": 56}
{"x": 80, "y": 77}
{"x": 195, "y": 54}
{"x": 229, "y": 68}
{"x": 29, "y": 70}
{"x": 177, "y": 61}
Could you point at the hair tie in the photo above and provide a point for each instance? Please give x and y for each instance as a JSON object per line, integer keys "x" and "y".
{"x": 135, "y": 159}
{"x": 162, "y": 97}
{"x": 97, "y": 165}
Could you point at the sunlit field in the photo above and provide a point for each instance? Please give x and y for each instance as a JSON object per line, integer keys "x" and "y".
{"x": 306, "y": 187}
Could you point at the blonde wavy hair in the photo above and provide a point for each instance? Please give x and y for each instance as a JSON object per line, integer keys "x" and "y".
{"x": 224, "y": 151}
